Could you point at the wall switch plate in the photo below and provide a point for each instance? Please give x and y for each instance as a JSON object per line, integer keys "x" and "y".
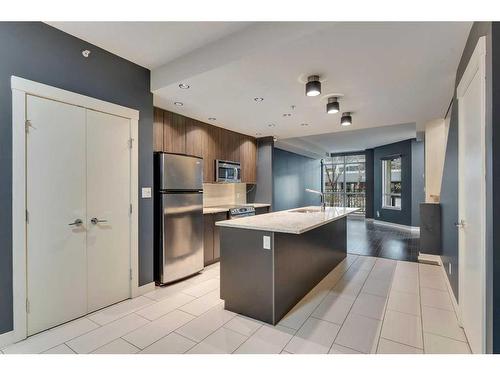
{"x": 266, "y": 242}
{"x": 146, "y": 192}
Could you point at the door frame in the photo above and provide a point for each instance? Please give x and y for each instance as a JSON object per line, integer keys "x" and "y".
{"x": 476, "y": 65}
{"x": 20, "y": 89}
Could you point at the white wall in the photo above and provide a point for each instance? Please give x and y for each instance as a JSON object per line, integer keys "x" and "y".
{"x": 436, "y": 135}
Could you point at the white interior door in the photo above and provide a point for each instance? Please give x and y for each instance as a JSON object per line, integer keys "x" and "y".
{"x": 472, "y": 295}
{"x": 55, "y": 198}
{"x": 108, "y": 201}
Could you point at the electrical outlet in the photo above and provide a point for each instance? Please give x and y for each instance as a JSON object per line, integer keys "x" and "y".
{"x": 146, "y": 192}
{"x": 449, "y": 268}
{"x": 266, "y": 242}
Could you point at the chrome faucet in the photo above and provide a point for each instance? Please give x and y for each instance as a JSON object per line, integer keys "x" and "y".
{"x": 323, "y": 204}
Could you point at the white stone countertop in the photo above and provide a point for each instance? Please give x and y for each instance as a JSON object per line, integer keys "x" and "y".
{"x": 225, "y": 208}
{"x": 289, "y": 221}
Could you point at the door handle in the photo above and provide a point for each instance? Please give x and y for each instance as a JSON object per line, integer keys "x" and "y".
{"x": 76, "y": 223}
{"x": 460, "y": 224}
{"x": 96, "y": 221}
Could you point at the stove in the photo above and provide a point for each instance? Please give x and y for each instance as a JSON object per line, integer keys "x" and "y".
{"x": 241, "y": 211}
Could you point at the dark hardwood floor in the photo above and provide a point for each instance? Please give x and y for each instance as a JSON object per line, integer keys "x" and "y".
{"x": 367, "y": 238}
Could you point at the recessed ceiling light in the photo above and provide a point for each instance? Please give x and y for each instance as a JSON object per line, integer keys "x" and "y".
{"x": 346, "y": 119}
{"x": 333, "y": 105}
{"x": 313, "y": 86}
{"x": 184, "y": 86}
{"x": 271, "y": 125}
{"x": 258, "y": 100}
{"x": 258, "y": 134}
{"x": 287, "y": 114}
{"x": 212, "y": 118}
{"x": 304, "y": 124}
{"x": 179, "y": 104}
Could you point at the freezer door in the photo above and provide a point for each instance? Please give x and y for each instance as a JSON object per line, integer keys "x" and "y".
{"x": 180, "y": 172}
{"x": 182, "y": 235}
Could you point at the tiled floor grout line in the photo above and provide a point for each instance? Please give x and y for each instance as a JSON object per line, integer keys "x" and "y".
{"x": 386, "y": 306}
{"x": 350, "y": 308}
{"x": 135, "y": 346}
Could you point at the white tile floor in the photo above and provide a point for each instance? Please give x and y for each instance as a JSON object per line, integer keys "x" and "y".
{"x": 365, "y": 305}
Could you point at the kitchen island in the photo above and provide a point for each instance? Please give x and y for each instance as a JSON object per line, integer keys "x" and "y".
{"x": 270, "y": 262}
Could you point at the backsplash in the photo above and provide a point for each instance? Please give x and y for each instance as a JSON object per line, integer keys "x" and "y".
{"x": 223, "y": 194}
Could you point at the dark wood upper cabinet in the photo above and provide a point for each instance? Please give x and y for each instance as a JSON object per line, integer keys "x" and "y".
{"x": 158, "y": 130}
{"x": 184, "y": 135}
{"x": 174, "y": 133}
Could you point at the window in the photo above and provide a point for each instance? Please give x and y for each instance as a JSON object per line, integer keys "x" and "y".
{"x": 391, "y": 183}
{"x": 344, "y": 181}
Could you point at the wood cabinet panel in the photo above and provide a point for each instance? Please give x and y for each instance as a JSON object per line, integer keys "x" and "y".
{"x": 184, "y": 135}
{"x": 158, "y": 130}
{"x": 174, "y": 133}
{"x": 218, "y": 217}
{"x": 208, "y": 238}
{"x": 194, "y": 137}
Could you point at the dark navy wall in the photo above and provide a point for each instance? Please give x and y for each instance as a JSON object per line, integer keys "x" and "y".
{"x": 292, "y": 174}
{"x": 449, "y": 184}
{"x": 41, "y": 53}
{"x": 417, "y": 180}
{"x": 403, "y": 216}
{"x": 369, "y": 175}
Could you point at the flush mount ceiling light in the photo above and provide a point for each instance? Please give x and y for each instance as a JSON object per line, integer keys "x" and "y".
{"x": 184, "y": 86}
{"x": 313, "y": 86}
{"x": 333, "y": 105}
{"x": 258, "y": 100}
{"x": 346, "y": 119}
{"x": 179, "y": 104}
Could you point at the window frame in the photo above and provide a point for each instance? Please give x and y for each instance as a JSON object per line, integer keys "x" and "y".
{"x": 386, "y": 183}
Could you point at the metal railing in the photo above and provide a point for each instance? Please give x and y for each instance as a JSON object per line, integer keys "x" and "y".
{"x": 346, "y": 199}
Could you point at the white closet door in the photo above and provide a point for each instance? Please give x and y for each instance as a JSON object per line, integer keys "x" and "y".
{"x": 56, "y": 250}
{"x": 108, "y": 201}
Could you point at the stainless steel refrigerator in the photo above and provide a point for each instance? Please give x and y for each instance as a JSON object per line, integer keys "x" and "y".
{"x": 178, "y": 216}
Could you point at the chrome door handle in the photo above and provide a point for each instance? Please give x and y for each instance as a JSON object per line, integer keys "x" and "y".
{"x": 96, "y": 221}
{"x": 460, "y": 224}
{"x": 76, "y": 223}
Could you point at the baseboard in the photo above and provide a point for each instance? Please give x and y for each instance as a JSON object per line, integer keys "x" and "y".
{"x": 399, "y": 226}
{"x": 429, "y": 259}
{"x": 454, "y": 301}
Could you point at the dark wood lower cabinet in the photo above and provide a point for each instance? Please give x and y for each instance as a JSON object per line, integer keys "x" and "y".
{"x": 211, "y": 237}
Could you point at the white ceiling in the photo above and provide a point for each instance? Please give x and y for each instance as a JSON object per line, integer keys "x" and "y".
{"x": 356, "y": 140}
{"x": 149, "y": 44}
{"x": 390, "y": 73}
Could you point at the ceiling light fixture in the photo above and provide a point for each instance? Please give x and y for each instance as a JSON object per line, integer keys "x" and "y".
{"x": 184, "y": 86}
{"x": 346, "y": 119}
{"x": 333, "y": 105}
{"x": 258, "y": 100}
{"x": 287, "y": 114}
{"x": 258, "y": 134}
{"x": 179, "y": 104}
{"x": 271, "y": 125}
{"x": 304, "y": 124}
{"x": 313, "y": 86}
{"x": 212, "y": 119}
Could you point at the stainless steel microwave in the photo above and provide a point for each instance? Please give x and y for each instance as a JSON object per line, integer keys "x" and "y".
{"x": 227, "y": 171}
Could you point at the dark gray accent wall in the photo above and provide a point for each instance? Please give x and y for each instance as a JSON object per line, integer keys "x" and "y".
{"x": 292, "y": 174}
{"x": 369, "y": 175}
{"x": 262, "y": 191}
{"x": 403, "y": 216}
{"x": 417, "y": 180}
{"x": 449, "y": 184}
{"x": 41, "y": 53}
